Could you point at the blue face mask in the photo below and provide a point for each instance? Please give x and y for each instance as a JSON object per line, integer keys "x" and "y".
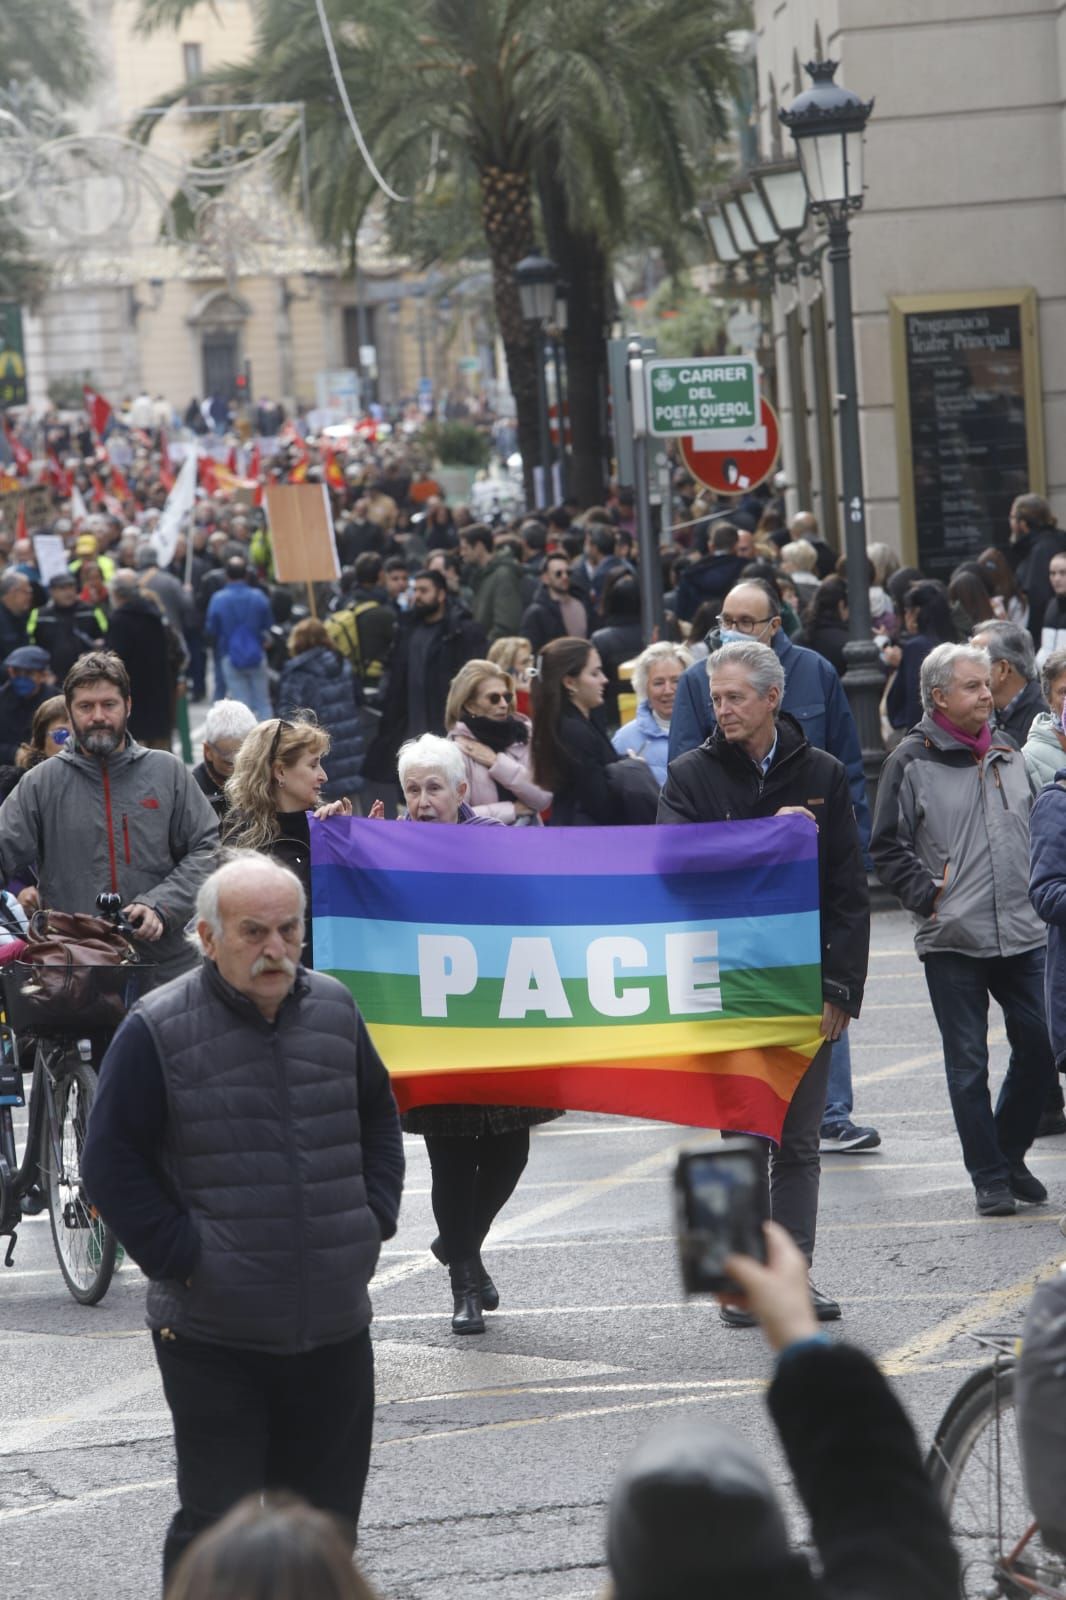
{"x": 734, "y": 636}
{"x": 23, "y": 686}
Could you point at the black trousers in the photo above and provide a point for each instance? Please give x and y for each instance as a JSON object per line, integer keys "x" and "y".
{"x": 473, "y": 1179}
{"x": 246, "y": 1421}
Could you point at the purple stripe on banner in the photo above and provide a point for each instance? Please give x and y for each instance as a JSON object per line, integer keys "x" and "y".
{"x": 702, "y": 847}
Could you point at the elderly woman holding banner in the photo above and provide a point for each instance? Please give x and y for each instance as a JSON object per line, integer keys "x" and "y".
{"x": 476, "y": 1153}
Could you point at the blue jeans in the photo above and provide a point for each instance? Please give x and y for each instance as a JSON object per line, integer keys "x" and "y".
{"x": 838, "y": 1097}
{"x": 959, "y": 987}
{"x": 251, "y": 685}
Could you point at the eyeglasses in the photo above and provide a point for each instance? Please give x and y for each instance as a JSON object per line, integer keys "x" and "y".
{"x": 742, "y": 624}
{"x": 495, "y": 696}
{"x": 275, "y": 742}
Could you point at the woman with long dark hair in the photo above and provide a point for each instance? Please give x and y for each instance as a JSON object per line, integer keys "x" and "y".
{"x": 571, "y": 752}
{"x": 927, "y": 622}
{"x": 826, "y": 630}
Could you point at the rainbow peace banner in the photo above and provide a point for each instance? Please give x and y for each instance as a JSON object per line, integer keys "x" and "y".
{"x": 663, "y": 972}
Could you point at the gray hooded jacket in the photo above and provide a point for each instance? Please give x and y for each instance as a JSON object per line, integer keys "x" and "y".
{"x": 1044, "y": 751}
{"x": 135, "y": 824}
{"x": 951, "y": 839}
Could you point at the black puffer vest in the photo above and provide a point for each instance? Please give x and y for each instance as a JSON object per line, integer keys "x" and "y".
{"x": 263, "y": 1148}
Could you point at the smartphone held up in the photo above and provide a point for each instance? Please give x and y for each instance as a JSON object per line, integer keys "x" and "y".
{"x": 720, "y": 1197}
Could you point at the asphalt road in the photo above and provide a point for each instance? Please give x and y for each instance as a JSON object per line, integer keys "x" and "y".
{"x": 494, "y": 1456}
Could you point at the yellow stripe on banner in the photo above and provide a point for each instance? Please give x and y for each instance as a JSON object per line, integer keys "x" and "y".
{"x": 409, "y": 1051}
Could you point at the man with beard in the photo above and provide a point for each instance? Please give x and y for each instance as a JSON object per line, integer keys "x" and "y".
{"x": 106, "y": 814}
{"x": 245, "y": 1147}
{"x": 554, "y": 613}
{"x": 434, "y": 640}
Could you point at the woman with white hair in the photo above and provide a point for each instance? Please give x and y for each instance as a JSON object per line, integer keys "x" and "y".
{"x": 226, "y": 726}
{"x": 656, "y": 674}
{"x": 476, "y": 1153}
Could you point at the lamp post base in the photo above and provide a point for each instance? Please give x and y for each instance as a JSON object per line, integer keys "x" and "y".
{"x": 864, "y": 684}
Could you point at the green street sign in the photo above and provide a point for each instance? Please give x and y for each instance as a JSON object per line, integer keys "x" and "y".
{"x": 12, "y": 356}
{"x": 715, "y": 397}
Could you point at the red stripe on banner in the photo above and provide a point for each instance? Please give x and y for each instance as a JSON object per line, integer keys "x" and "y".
{"x": 706, "y": 1099}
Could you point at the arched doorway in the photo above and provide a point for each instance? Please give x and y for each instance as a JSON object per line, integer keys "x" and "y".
{"x": 218, "y": 319}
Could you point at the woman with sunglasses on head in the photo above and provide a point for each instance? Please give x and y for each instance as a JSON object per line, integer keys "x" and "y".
{"x": 276, "y": 788}
{"x": 494, "y": 741}
{"x": 49, "y": 732}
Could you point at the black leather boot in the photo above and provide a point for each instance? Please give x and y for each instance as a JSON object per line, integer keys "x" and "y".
{"x": 490, "y": 1295}
{"x": 466, "y": 1318}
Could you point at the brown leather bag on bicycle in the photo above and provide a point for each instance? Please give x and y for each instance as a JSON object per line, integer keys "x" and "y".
{"x": 63, "y": 990}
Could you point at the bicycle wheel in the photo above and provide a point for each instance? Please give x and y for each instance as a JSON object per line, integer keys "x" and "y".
{"x": 975, "y": 1467}
{"x": 85, "y": 1246}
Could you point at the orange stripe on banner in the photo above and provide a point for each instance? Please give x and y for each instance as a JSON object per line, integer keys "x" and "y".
{"x": 717, "y": 1099}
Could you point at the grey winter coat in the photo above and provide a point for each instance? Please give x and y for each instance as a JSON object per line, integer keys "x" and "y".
{"x": 135, "y": 824}
{"x": 1044, "y": 751}
{"x": 951, "y": 839}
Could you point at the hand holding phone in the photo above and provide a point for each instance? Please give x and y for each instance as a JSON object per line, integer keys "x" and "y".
{"x": 778, "y": 1294}
{"x": 720, "y": 1195}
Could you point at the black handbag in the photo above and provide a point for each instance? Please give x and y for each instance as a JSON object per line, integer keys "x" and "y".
{"x": 634, "y": 785}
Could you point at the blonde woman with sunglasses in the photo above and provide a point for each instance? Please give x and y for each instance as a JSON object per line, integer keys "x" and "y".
{"x": 276, "y": 787}
{"x": 493, "y": 737}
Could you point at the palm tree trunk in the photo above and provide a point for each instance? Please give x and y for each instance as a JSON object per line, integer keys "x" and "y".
{"x": 583, "y": 264}
{"x": 507, "y": 215}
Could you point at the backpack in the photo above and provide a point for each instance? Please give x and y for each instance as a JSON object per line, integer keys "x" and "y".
{"x": 343, "y": 630}
{"x": 244, "y": 649}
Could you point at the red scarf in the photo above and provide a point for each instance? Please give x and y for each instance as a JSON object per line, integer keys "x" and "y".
{"x": 978, "y": 743}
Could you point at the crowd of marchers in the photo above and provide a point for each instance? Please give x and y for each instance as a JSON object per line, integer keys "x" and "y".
{"x": 492, "y": 672}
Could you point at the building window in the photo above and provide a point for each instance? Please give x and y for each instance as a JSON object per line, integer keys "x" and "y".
{"x": 192, "y": 57}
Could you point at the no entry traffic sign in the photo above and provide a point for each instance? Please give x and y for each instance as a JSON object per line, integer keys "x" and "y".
{"x": 735, "y": 471}
{"x": 716, "y": 395}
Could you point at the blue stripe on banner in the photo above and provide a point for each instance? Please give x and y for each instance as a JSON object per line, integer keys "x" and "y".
{"x": 427, "y": 897}
{"x": 351, "y": 945}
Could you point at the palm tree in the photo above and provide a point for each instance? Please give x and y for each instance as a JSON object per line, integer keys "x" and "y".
{"x": 46, "y": 60}
{"x": 591, "y": 112}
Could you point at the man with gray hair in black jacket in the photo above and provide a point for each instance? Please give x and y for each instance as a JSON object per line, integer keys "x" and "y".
{"x": 245, "y": 1147}
{"x": 758, "y": 763}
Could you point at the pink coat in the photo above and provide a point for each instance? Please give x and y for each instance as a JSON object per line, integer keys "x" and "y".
{"x": 511, "y": 768}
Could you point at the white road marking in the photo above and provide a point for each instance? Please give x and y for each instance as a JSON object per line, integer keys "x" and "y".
{"x": 24, "y": 1435}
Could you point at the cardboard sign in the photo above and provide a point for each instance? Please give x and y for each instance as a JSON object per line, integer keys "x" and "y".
{"x": 301, "y": 531}
{"x": 51, "y": 555}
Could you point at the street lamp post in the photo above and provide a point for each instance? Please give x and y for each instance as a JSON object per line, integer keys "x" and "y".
{"x": 561, "y": 319}
{"x": 827, "y": 122}
{"x": 536, "y": 277}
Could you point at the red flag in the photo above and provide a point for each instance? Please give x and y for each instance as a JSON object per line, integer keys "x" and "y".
{"x": 231, "y": 460}
{"x": 334, "y": 473}
{"x": 99, "y": 492}
{"x": 100, "y": 413}
{"x": 119, "y": 484}
{"x": 255, "y": 461}
{"x": 298, "y": 473}
{"x": 57, "y": 475}
{"x": 207, "y": 476}
{"x": 22, "y": 457}
{"x": 21, "y": 528}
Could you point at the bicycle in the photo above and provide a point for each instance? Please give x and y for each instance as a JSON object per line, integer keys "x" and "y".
{"x": 62, "y": 1089}
{"x": 975, "y": 1466}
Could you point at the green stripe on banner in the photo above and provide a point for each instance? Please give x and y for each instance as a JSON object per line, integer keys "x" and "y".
{"x": 755, "y": 992}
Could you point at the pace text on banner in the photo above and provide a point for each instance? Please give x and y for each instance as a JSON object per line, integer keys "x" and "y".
{"x": 667, "y": 972}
